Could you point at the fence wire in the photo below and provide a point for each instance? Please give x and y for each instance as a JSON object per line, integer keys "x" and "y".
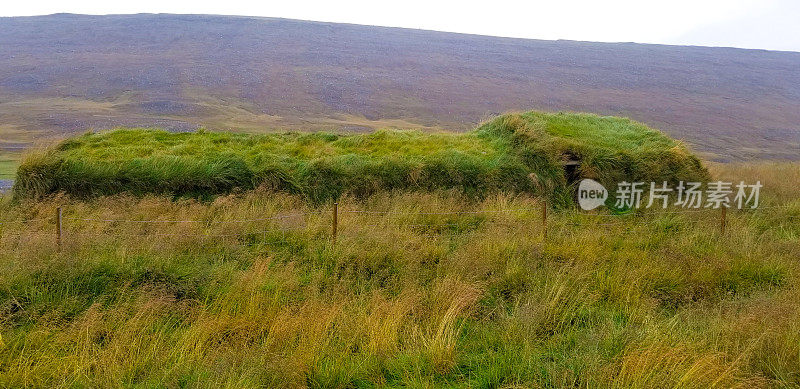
{"x": 387, "y": 220}
{"x": 279, "y": 217}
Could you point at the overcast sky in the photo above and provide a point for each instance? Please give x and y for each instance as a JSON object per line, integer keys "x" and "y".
{"x": 760, "y": 24}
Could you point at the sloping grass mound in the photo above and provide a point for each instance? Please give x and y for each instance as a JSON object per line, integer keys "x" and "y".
{"x": 514, "y": 153}
{"x": 607, "y": 149}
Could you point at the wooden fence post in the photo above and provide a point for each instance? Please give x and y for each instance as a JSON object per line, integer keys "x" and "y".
{"x": 335, "y": 221}
{"x": 58, "y": 228}
{"x": 544, "y": 219}
{"x": 722, "y": 220}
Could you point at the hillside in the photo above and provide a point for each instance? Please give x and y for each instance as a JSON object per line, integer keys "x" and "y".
{"x": 62, "y": 74}
{"x": 513, "y": 153}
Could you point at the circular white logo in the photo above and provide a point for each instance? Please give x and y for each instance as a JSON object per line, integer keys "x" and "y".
{"x": 591, "y": 194}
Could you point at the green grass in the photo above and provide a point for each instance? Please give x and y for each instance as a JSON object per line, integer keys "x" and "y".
{"x": 609, "y": 149}
{"x": 317, "y": 165}
{"x": 9, "y": 162}
{"x": 513, "y": 154}
{"x": 8, "y": 168}
{"x": 405, "y": 298}
{"x": 592, "y": 132}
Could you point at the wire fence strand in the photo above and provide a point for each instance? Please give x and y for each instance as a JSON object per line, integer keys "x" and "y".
{"x": 6, "y": 222}
{"x": 259, "y": 232}
{"x": 279, "y": 217}
{"x": 446, "y": 226}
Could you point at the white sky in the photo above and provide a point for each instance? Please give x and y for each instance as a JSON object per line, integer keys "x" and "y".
{"x": 764, "y": 24}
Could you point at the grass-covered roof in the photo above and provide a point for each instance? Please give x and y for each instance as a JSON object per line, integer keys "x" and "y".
{"x": 512, "y": 153}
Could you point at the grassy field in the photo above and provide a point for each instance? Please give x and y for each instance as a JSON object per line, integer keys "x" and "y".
{"x": 421, "y": 289}
{"x": 513, "y": 153}
{"x": 13, "y": 141}
{"x": 8, "y": 165}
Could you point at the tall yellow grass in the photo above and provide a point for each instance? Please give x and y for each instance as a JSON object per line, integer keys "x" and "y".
{"x": 406, "y": 297}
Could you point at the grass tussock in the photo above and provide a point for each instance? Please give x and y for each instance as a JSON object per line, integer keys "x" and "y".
{"x": 405, "y": 298}
{"x": 514, "y": 153}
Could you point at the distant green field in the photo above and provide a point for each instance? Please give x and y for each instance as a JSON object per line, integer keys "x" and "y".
{"x": 513, "y": 153}
{"x": 8, "y": 165}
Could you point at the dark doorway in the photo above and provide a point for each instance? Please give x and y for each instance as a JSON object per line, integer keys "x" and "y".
{"x": 572, "y": 166}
